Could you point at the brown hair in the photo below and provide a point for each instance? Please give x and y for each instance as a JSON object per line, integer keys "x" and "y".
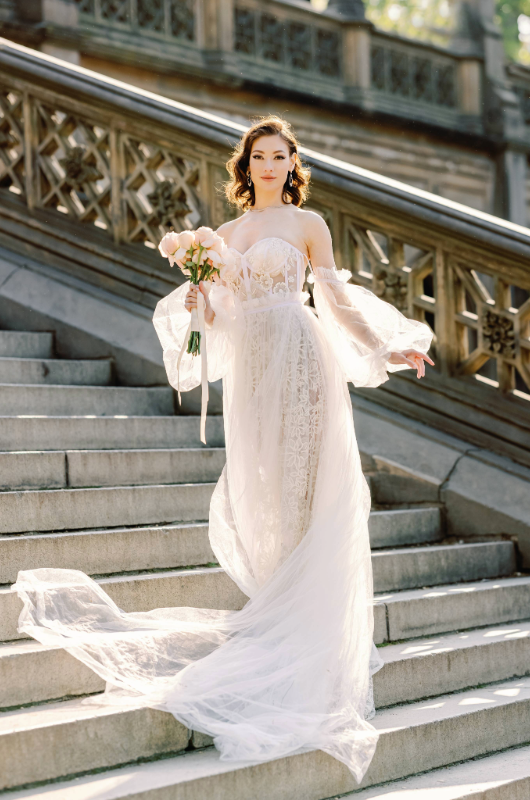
{"x": 237, "y": 190}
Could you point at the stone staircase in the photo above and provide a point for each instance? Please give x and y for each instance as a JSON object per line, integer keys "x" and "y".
{"x": 107, "y": 479}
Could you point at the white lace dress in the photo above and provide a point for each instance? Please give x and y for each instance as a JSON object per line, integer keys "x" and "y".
{"x": 288, "y": 522}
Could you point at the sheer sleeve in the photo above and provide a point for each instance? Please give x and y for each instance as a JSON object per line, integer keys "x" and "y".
{"x": 364, "y": 330}
{"x": 171, "y": 320}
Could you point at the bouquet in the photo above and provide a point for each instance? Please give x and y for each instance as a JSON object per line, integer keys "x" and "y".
{"x": 199, "y": 255}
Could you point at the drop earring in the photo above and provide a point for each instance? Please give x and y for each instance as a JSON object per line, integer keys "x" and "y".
{"x": 290, "y": 178}
{"x": 249, "y": 179}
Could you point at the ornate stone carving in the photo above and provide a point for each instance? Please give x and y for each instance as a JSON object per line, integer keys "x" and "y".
{"x": 498, "y": 334}
{"x": 86, "y": 6}
{"x": 150, "y": 14}
{"x": 245, "y": 31}
{"x": 445, "y": 82}
{"x": 399, "y": 73}
{"x": 182, "y": 13}
{"x": 378, "y": 67}
{"x": 328, "y": 53}
{"x": 422, "y": 79}
{"x": 391, "y": 287}
{"x": 78, "y": 170}
{"x": 7, "y": 139}
{"x": 115, "y": 10}
{"x": 271, "y": 30}
{"x": 299, "y": 50}
{"x": 166, "y": 204}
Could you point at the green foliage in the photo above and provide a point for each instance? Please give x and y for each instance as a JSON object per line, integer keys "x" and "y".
{"x": 507, "y": 15}
{"x": 431, "y": 20}
{"x": 435, "y": 21}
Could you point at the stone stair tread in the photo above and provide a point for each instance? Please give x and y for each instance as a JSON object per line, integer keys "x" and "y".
{"x": 96, "y": 550}
{"x": 501, "y": 776}
{"x": 55, "y": 371}
{"x": 64, "y": 399}
{"x": 89, "y": 431}
{"x": 210, "y": 587}
{"x": 76, "y": 468}
{"x": 451, "y": 727}
{"x": 106, "y": 506}
{"x": 449, "y": 642}
{"x": 413, "y": 669}
{"x": 498, "y": 776}
{"x": 26, "y": 344}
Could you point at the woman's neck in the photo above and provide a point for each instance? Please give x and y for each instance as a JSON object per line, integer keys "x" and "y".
{"x": 264, "y": 200}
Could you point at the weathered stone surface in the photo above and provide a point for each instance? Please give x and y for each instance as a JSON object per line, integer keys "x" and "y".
{"x": 406, "y": 568}
{"x": 96, "y": 372}
{"x": 484, "y": 495}
{"x": 23, "y": 344}
{"x": 81, "y": 432}
{"x": 70, "y": 509}
{"x": 84, "y": 400}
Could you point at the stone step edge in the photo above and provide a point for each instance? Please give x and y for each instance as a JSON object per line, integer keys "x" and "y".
{"x": 478, "y": 640}
{"x": 398, "y": 740}
{"x": 380, "y": 553}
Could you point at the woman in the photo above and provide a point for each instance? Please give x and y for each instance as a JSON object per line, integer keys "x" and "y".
{"x": 288, "y": 518}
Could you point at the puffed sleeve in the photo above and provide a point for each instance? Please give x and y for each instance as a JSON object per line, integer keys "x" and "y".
{"x": 171, "y": 320}
{"x": 364, "y": 330}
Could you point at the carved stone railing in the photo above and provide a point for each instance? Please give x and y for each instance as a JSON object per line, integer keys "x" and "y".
{"x": 93, "y": 172}
{"x": 170, "y": 19}
{"x": 332, "y": 55}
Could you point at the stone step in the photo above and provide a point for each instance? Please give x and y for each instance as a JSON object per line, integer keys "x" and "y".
{"x": 71, "y": 509}
{"x": 31, "y": 399}
{"x": 396, "y": 527}
{"x": 33, "y": 432}
{"x": 204, "y": 587}
{"x": 56, "y": 469}
{"x": 502, "y": 776}
{"x": 407, "y": 568}
{"x": 99, "y": 552}
{"x": 96, "y": 372}
{"x": 420, "y": 668}
{"x": 210, "y": 587}
{"x": 452, "y": 607}
{"x": 22, "y": 344}
{"x": 60, "y": 739}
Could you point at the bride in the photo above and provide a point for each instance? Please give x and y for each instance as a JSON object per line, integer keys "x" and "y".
{"x": 288, "y": 519}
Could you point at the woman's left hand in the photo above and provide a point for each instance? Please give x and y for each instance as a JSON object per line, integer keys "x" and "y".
{"x": 412, "y": 358}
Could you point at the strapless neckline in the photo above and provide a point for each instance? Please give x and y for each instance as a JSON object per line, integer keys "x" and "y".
{"x": 266, "y": 238}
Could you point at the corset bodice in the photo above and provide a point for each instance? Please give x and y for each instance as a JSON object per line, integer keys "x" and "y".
{"x": 270, "y": 273}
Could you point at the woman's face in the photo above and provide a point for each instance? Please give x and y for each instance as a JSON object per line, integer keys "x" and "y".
{"x": 270, "y": 162}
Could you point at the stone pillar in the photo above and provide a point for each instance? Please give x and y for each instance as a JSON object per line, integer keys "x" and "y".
{"x": 510, "y": 187}
{"x": 356, "y": 41}
{"x": 470, "y": 87}
{"x": 215, "y": 28}
{"x": 503, "y": 122}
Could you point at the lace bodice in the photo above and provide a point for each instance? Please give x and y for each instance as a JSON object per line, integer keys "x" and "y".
{"x": 271, "y": 272}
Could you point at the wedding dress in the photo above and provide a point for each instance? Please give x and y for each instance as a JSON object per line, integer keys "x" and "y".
{"x": 288, "y": 522}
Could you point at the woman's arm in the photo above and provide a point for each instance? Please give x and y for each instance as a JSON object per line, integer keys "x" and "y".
{"x": 346, "y": 311}
{"x": 191, "y": 300}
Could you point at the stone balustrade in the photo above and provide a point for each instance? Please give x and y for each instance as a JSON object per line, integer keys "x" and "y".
{"x": 93, "y": 172}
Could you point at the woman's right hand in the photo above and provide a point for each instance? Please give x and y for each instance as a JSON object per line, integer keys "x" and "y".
{"x": 190, "y": 300}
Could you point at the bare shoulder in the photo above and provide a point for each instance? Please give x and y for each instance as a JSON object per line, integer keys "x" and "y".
{"x": 314, "y": 226}
{"x": 227, "y": 228}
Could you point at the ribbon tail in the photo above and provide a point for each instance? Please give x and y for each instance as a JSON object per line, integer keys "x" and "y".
{"x": 204, "y": 365}
{"x": 181, "y": 354}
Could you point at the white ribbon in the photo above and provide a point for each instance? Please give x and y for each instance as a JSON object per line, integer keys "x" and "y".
{"x": 197, "y": 323}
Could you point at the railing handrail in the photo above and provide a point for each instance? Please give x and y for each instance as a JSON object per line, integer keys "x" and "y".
{"x": 430, "y": 208}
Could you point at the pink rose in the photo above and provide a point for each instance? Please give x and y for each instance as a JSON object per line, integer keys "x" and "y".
{"x": 169, "y": 244}
{"x": 186, "y": 239}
